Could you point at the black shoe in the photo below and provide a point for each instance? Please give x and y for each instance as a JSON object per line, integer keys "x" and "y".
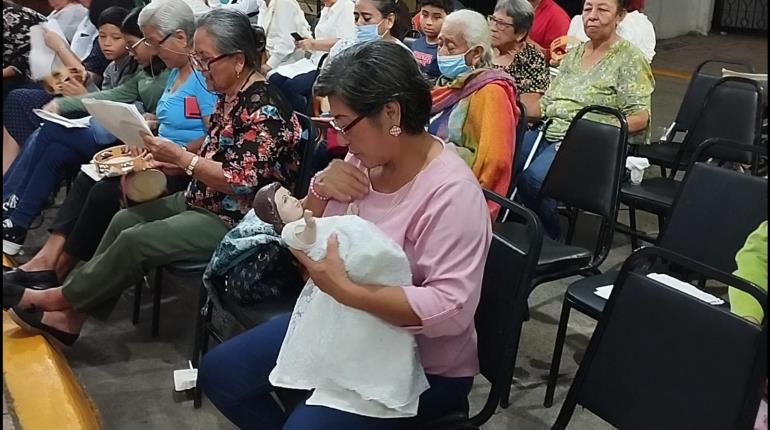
{"x": 11, "y": 294}
{"x": 31, "y": 321}
{"x": 38, "y": 279}
{"x": 13, "y": 237}
{"x": 9, "y": 205}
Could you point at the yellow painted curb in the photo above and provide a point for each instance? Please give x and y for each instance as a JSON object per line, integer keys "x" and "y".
{"x": 43, "y": 391}
{"x": 668, "y": 73}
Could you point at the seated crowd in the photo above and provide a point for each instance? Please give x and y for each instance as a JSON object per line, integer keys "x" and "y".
{"x": 426, "y": 127}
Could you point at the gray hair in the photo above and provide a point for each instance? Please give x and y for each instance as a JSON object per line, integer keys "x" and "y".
{"x": 168, "y": 16}
{"x": 520, "y": 11}
{"x": 233, "y": 32}
{"x": 475, "y": 32}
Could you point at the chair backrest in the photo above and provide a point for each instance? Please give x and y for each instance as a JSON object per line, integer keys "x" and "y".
{"x": 507, "y": 275}
{"x": 663, "y": 359}
{"x": 732, "y": 110}
{"x": 714, "y": 212}
{"x": 586, "y": 173}
{"x": 521, "y": 130}
{"x": 307, "y": 148}
{"x": 692, "y": 103}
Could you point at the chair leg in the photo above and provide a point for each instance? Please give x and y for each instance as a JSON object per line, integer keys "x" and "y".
{"x": 661, "y": 223}
{"x": 200, "y": 347}
{"x": 632, "y": 225}
{"x": 137, "y": 301}
{"x": 157, "y": 294}
{"x": 558, "y": 347}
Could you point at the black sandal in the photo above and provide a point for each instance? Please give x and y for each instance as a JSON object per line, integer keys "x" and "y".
{"x": 11, "y": 294}
{"x": 31, "y": 321}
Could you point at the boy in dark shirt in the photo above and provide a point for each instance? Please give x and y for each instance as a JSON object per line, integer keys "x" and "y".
{"x": 432, "y": 14}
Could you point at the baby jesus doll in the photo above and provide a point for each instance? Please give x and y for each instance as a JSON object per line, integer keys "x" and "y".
{"x": 353, "y": 360}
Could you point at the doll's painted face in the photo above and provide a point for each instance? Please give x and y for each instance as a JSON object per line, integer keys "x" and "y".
{"x": 289, "y": 208}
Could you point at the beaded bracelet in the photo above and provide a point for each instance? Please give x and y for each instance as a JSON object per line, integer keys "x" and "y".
{"x": 313, "y": 191}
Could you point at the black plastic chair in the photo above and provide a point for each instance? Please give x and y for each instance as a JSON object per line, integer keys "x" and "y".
{"x": 585, "y": 176}
{"x": 196, "y": 268}
{"x": 507, "y": 275}
{"x": 521, "y": 130}
{"x": 732, "y": 113}
{"x": 662, "y": 359}
{"x": 665, "y": 153}
{"x": 712, "y": 240}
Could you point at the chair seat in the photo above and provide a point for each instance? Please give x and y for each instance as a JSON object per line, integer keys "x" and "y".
{"x": 186, "y": 267}
{"x": 655, "y": 195}
{"x": 661, "y": 154}
{"x": 580, "y": 294}
{"x": 554, "y": 256}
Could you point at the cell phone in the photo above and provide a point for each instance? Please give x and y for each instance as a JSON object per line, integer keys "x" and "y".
{"x": 191, "y": 108}
{"x": 297, "y": 37}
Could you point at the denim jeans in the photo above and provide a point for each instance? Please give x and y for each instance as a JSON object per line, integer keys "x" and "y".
{"x": 234, "y": 376}
{"x": 531, "y": 180}
{"x": 50, "y": 151}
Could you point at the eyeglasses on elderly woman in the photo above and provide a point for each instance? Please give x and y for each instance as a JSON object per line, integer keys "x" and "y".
{"x": 498, "y": 23}
{"x": 204, "y": 64}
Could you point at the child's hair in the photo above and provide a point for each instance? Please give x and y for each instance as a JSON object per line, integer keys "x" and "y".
{"x": 446, "y": 5}
{"x": 113, "y": 15}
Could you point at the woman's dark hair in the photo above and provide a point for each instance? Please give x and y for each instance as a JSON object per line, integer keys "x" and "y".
{"x": 233, "y": 32}
{"x": 368, "y": 75}
{"x": 99, "y": 6}
{"x": 130, "y": 24}
{"x": 402, "y": 18}
{"x": 113, "y": 15}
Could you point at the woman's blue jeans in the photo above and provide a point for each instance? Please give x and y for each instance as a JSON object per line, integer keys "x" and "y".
{"x": 531, "y": 180}
{"x": 50, "y": 151}
{"x": 234, "y": 376}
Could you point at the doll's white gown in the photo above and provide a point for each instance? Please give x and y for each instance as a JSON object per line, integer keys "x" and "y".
{"x": 353, "y": 361}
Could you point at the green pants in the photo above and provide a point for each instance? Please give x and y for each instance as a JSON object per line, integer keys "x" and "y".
{"x": 138, "y": 240}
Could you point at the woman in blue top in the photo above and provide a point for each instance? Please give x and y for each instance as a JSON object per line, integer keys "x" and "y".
{"x": 182, "y": 117}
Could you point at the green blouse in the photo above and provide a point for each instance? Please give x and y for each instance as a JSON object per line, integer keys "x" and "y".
{"x": 622, "y": 80}
{"x": 752, "y": 266}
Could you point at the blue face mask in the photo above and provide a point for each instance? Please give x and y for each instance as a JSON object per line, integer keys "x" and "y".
{"x": 453, "y": 66}
{"x": 365, "y": 33}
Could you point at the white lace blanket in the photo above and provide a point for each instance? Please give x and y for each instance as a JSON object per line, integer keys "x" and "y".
{"x": 353, "y": 360}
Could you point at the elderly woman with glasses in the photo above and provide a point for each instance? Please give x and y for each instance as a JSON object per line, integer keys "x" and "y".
{"x": 415, "y": 188}
{"x": 474, "y": 105}
{"x": 253, "y": 139}
{"x": 509, "y": 27}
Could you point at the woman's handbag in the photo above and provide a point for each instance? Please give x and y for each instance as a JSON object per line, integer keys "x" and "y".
{"x": 268, "y": 271}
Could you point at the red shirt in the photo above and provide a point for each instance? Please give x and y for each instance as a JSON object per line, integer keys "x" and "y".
{"x": 551, "y": 21}
{"x": 635, "y": 5}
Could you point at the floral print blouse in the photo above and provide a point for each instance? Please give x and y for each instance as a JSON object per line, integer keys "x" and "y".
{"x": 16, "y": 23}
{"x": 257, "y": 143}
{"x": 621, "y": 80}
{"x": 529, "y": 70}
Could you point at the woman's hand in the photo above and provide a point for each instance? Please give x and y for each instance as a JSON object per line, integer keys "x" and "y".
{"x": 53, "y": 40}
{"x": 306, "y": 44}
{"x": 72, "y": 87}
{"x": 341, "y": 181}
{"x": 328, "y": 274}
{"x": 152, "y": 121}
{"x": 163, "y": 150}
{"x": 52, "y": 107}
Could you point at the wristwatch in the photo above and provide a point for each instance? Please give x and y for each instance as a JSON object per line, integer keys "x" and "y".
{"x": 191, "y": 167}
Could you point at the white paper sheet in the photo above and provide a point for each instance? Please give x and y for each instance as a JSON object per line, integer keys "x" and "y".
{"x": 123, "y": 120}
{"x": 42, "y": 60}
{"x": 65, "y": 122}
{"x": 91, "y": 171}
{"x": 605, "y": 291}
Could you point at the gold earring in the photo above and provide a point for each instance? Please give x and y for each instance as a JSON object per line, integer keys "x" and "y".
{"x": 237, "y": 74}
{"x": 395, "y": 131}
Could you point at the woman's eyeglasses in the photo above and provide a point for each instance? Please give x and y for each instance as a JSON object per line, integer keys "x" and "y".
{"x": 132, "y": 48}
{"x": 149, "y": 44}
{"x": 205, "y": 65}
{"x": 498, "y": 23}
{"x": 344, "y": 130}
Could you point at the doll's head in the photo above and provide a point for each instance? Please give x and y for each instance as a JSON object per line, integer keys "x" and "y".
{"x": 274, "y": 204}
